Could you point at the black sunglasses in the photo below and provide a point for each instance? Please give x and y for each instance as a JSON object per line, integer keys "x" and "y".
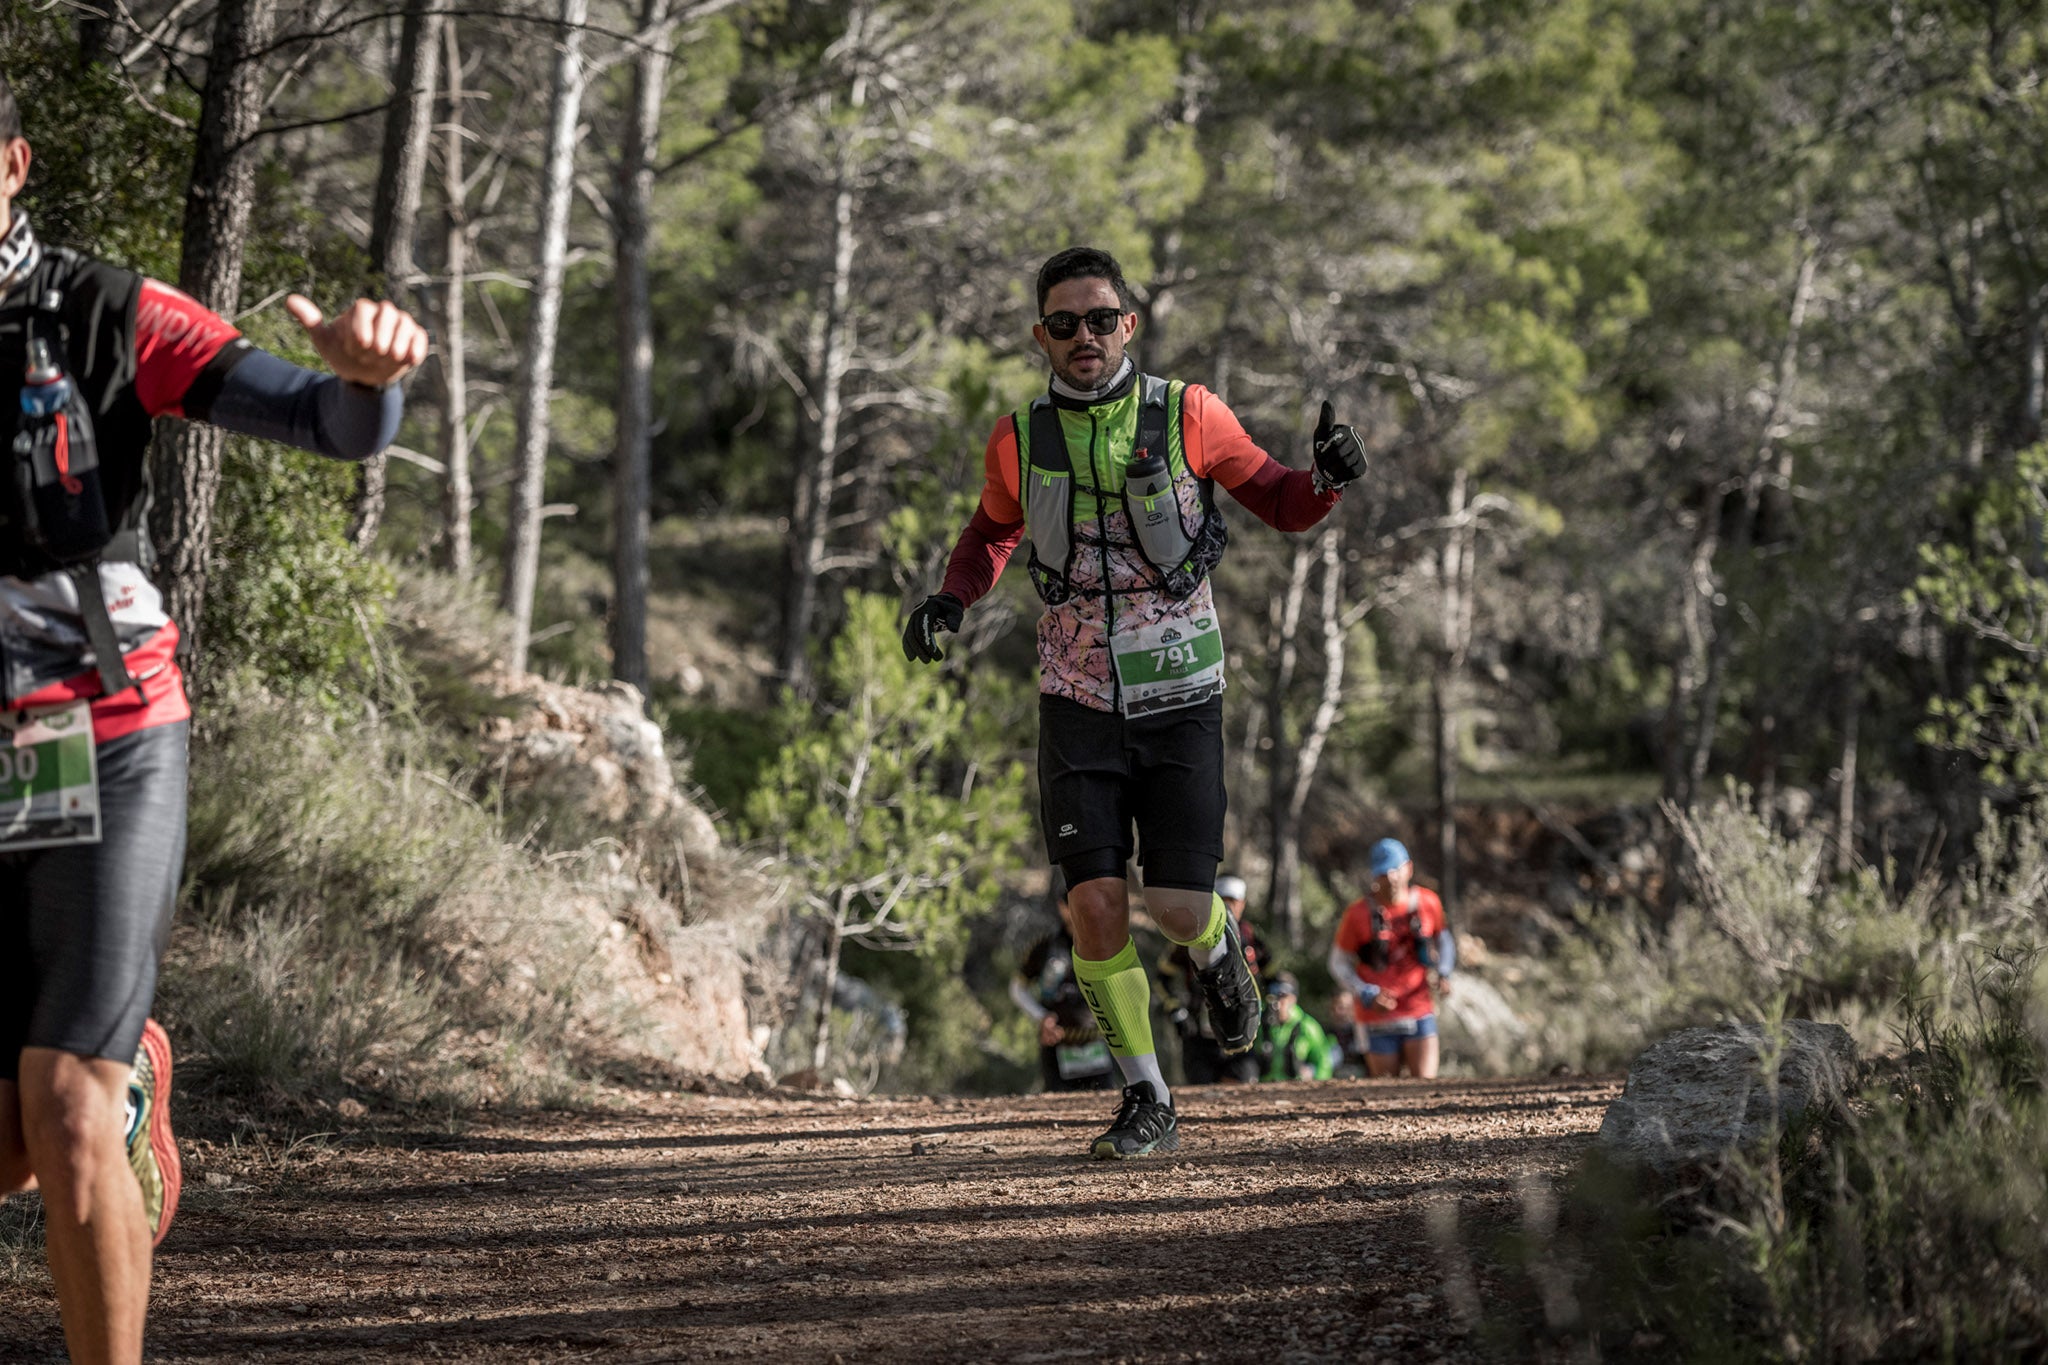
{"x": 1063, "y": 325}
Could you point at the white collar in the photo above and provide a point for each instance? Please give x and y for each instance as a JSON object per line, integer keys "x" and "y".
{"x": 1100, "y": 391}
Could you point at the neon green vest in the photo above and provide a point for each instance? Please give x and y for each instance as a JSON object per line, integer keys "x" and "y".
{"x": 1060, "y": 499}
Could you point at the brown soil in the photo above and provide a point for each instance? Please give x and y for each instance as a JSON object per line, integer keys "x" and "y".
{"x": 1291, "y": 1226}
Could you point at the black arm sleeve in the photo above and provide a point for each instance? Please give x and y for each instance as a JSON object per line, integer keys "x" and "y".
{"x": 276, "y": 400}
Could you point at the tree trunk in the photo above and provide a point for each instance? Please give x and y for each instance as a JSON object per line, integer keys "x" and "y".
{"x": 821, "y": 1042}
{"x": 1712, "y": 602}
{"x": 2036, "y": 367}
{"x": 454, "y": 366}
{"x": 185, "y": 469}
{"x": 537, "y": 359}
{"x": 1447, "y": 678}
{"x": 408, "y": 122}
{"x": 1845, "y": 774}
{"x": 1309, "y": 756}
{"x": 95, "y": 38}
{"x": 1283, "y": 847}
{"x": 630, "y": 463}
{"x": 811, "y": 508}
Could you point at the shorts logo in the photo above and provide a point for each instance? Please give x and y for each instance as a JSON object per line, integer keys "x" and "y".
{"x": 1065, "y": 830}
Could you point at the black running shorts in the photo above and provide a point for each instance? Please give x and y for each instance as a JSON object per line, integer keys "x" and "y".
{"x": 82, "y": 927}
{"x": 1100, "y": 774}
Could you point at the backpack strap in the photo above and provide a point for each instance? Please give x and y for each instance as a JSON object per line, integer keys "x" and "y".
{"x": 1151, "y": 416}
{"x": 99, "y": 631}
{"x": 1048, "y": 438}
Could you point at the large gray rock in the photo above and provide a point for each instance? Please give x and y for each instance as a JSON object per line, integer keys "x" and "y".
{"x": 1701, "y": 1092}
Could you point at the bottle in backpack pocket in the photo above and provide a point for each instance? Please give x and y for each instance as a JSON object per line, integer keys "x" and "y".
{"x": 1155, "y": 511}
{"x": 56, "y": 464}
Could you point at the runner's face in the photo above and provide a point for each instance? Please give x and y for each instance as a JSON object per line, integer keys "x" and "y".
{"x": 1084, "y": 360}
{"x": 1393, "y": 885}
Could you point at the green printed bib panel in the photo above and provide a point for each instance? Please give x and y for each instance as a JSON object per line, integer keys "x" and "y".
{"x": 1168, "y": 664}
{"x": 49, "y": 778}
{"x": 1083, "y": 1059}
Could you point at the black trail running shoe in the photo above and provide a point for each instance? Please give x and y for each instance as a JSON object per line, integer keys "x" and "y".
{"x": 1231, "y": 994}
{"x": 1143, "y": 1126}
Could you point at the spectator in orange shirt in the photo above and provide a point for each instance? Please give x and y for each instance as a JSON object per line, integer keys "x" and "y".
{"x": 1388, "y": 945}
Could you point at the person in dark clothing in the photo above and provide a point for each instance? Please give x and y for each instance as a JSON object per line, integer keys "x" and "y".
{"x": 1071, "y": 1052}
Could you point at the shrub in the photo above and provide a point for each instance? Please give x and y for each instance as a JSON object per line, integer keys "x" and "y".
{"x": 1910, "y": 1228}
{"x": 356, "y": 918}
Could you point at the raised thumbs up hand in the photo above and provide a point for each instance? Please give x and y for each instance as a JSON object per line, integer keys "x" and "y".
{"x": 1339, "y": 454}
{"x": 368, "y": 343}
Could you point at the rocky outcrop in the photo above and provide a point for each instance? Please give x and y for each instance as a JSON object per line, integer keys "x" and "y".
{"x": 1703, "y": 1092}
{"x": 671, "y": 919}
{"x": 594, "y": 749}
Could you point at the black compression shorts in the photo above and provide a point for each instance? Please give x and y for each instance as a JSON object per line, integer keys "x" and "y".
{"x": 82, "y": 927}
{"x": 1100, "y": 774}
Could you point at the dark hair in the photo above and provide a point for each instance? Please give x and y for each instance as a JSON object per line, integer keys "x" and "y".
{"x": 10, "y": 114}
{"x": 1079, "y": 263}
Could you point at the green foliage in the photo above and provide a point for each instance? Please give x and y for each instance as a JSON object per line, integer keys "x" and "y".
{"x": 1907, "y": 1228}
{"x": 108, "y": 175}
{"x": 1764, "y": 925}
{"x": 892, "y": 825}
{"x": 1995, "y": 590}
{"x": 290, "y": 601}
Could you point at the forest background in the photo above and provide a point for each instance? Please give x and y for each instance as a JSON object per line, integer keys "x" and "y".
{"x": 1690, "y": 624}
{"x": 1699, "y": 346}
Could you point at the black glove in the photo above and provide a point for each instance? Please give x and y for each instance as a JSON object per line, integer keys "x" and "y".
{"x": 1340, "y": 455}
{"x": 940, "y": 611}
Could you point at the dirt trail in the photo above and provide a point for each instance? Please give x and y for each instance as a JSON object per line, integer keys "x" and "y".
{"x": 1291, "y": 1226}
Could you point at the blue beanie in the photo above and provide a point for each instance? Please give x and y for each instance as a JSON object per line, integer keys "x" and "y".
{"x": 1387, "y": 855}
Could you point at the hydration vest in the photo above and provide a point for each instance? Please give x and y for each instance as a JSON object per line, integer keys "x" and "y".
{"x": 1375, "y": 952}
{"x": 1047, "y": 482}
{"x": 75, "y": 494}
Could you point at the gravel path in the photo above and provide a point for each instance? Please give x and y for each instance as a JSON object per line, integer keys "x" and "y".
{"x": 1293, "y": 1225}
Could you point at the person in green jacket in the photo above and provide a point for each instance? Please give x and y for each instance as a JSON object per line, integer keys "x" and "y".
{"x": 1301, "y": 1049}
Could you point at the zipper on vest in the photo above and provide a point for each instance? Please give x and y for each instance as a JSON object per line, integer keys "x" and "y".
{"x": 1116, "y": 687}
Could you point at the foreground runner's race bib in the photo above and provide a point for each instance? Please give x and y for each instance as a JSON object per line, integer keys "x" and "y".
{"x": 1082, "y": 1059}
{"x": 49, "y": 778}
{"x": 1168, "y": 665}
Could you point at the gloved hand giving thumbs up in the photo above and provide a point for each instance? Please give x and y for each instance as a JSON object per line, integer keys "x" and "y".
{"x": 1339, "y": 454}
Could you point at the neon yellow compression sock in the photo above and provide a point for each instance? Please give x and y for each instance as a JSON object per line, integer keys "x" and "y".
{"x": 1120, "y": 995}
{"x": 1206, "y": 948}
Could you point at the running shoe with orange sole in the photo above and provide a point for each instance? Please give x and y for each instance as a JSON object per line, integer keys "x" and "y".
{"x": 152, "y": 1151}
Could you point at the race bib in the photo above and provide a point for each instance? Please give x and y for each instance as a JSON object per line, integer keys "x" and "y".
{"x": 1168, "y": 665}
{"x": 49, "y": 778}
{"x": 1082, "y": 1059}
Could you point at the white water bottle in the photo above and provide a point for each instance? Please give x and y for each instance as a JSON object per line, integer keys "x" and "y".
{"x": 1155, "y": 511}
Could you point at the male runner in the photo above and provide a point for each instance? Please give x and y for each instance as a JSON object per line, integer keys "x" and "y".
{"x": 1112, "y": 473}
{"x": 1386, "y": 949}
{"x": 89, "y": 355}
